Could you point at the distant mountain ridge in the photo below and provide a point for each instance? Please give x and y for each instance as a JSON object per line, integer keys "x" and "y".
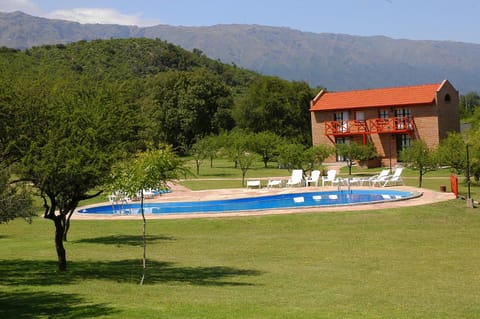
{"x": 335, "y": 61}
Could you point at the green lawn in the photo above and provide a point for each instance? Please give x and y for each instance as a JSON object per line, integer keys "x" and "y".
{"x": 415, "y": 262}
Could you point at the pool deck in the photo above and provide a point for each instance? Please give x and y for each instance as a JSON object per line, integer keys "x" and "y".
{"x": 180, "y": 193}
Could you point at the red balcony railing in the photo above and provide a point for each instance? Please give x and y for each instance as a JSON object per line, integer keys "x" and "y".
{"x": 370, "y": 126}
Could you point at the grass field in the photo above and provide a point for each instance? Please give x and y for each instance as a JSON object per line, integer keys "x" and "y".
{"x": 415, "y": 262}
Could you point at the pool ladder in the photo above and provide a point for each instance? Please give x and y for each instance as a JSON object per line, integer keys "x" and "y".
{"x": 340, "y": 182}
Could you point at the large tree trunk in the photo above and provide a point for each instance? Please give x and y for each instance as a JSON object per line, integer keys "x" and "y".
{"x": 59, "y": 233}
{"x": 420, "y": 178}
{"x": 59, "y": 222}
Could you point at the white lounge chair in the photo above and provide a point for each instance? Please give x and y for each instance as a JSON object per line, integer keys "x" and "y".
{"x": 314, "y": 177}
{"x": 255, "y": 183}
{"x": 380, "y": 178}
{"x": 331, "y": 174}
{"x": 296, "y": 179}
{"x": 274, "y": 183}
{"x": 395, "y": 178}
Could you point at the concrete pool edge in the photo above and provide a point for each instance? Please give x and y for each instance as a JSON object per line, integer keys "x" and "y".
{"x": 419, "y": 197}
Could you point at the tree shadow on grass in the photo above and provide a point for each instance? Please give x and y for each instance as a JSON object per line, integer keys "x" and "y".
{"x": 40, "y": 304}
{"x": 43, "y": 273}
{"x": 120, "y": 240}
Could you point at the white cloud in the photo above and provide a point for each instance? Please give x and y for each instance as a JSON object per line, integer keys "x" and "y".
{"x": 82, "y": 15}
{"x": 26, "y": 6}
{"x": 96, "y": 15}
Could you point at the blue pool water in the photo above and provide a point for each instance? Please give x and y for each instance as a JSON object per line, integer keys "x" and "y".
{"x": 298, "y": 200}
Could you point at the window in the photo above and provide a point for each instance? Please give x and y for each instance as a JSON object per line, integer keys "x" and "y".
{"x": 402, "y": 116}
{"x": 383, "y": 114}
{"x": 360, "y": 116}
{"x": 342, "y": 119}
{"x": 447, "y": 98}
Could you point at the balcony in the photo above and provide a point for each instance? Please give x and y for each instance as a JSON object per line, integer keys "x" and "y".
{"x": 391, "y": 125}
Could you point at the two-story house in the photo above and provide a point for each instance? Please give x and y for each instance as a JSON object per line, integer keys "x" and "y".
{"x": 390, "y": 118}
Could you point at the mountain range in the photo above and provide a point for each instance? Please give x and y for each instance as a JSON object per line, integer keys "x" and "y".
{"x": 335, "y": 61}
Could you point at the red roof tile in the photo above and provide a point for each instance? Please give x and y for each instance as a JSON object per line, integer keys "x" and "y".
{"x": 397, "y": 96}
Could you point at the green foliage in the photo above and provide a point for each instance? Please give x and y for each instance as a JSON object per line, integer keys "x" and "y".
{"x": 356, "y": 152}
{"x": 238, "y": 145}
{"x": 318, "y": 153}
{"x": 199, "y": 153}
{"x": 297, "y": 156}
{"x": 15, "y": 199}
{"x": 245, "y": 161}
{"x": 469, "y": 104}
{"x": 234, "y": 143}
{"x": 179, "y": 96}
{"x": 420, "y": 157}
{"x": 473, "y": 138}
{"x": 68, "y": 112}
{"x": 74, "y": 136}
{"x": 452, "y": 152}
{"x": 290, "y": 155}
{"x": 189, "y": 105}
{"x": 278, "y": 106}
{"x": 151, "y": 169}
{"x": 66, "y": 137}
{"x": 265, "y": 144}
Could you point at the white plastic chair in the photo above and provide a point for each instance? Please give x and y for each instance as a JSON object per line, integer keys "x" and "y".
{"x": 380, "y": 178}
{"x": 314, "y": 177}
{"x": 395, "y": 178}
{"x": 296, "y": 179}
{"x": 331, "y": 174}
{"x": 274, "y": 183}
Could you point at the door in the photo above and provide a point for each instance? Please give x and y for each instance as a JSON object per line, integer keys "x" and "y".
{"x": 341, "y": 140}
{"x": 403, "y": 141}
{"x": 403, "y": 118}
{"x": 342, "y": 119}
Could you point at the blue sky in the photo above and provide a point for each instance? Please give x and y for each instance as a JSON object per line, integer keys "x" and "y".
{"x": 408, "y": 19}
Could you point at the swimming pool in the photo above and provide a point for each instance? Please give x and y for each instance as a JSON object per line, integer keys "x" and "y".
{"x": 280, "y": 201}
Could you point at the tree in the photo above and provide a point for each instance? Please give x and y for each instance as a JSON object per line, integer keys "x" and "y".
{"x": 245, "y": 160}
{"x": 15, "y": 199}
{"x": 297, "y": 156}
{"x": 199, "y": 153}
{"x": 452, "y": 152}
{"x": 317, "y": 155}
{"x": 469, "y": 103}
{"x": 420, "y": 157}
{"x": 149, "y": 170}
{"x": 356, "y": 152}
{"x": 72, "y": 133}
{"x": 473, "y": 136}
{"x": 291, "y": 155}
{"x": 188, "y": 105}
{"x": 278, "y": 106}
{"x": 265, "y": 143}
{"x": 235, "y": 143}
{"x": 210, "y": 145}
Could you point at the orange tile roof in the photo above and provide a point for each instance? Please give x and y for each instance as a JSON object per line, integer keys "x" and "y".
{"x": 396, "y": 96}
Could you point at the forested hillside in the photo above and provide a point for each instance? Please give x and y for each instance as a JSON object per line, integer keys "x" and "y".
{"x": 335, "y": 61}
{"x": 177, "y": 96}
